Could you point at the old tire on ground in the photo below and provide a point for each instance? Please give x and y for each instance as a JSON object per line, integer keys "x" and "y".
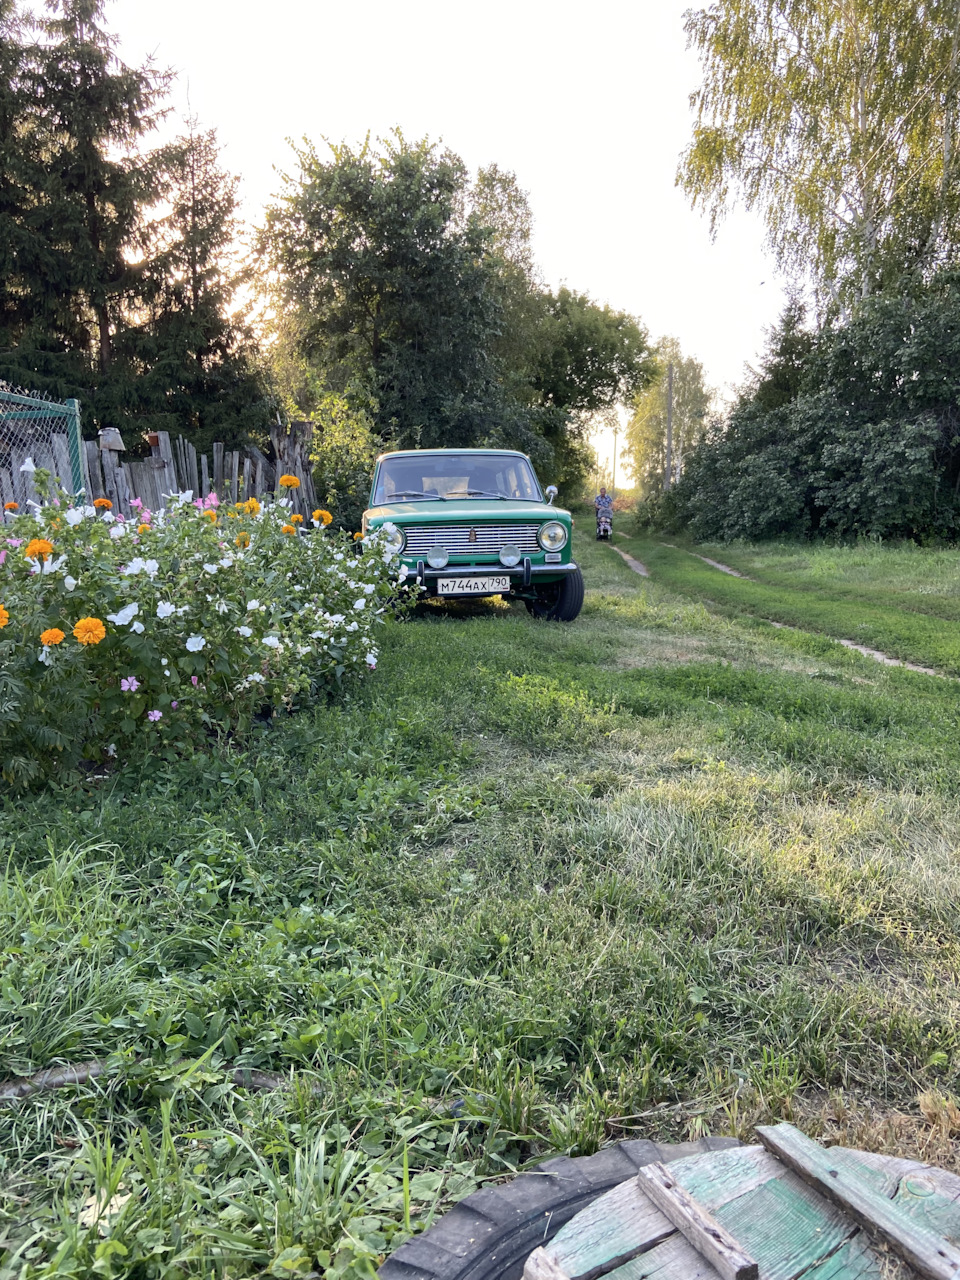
{"x": 559, "y": 601}
{"x": 489, "y": 1235}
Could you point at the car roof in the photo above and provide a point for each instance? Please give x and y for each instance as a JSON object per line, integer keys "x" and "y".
{"x": 412, "y": 453}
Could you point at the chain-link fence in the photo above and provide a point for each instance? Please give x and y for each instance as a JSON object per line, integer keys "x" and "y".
{"x": 37, "y": 432}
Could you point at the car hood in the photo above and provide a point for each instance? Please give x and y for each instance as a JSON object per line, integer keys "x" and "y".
{"x": 466, "y": 511}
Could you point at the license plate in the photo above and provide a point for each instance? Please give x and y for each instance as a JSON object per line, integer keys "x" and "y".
{"x": 473, "y": 586}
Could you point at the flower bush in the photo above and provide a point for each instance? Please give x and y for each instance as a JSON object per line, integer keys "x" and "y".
{"x": 173, "y": 626}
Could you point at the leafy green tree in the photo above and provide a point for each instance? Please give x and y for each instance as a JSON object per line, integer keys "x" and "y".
{"x": 343, "y": 452}
{"x": 645, "y": 441}
{"x": 839, "y": 123}
{"x": 392, "y": 286}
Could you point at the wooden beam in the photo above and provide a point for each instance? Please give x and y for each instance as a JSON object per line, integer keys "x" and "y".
{"x": 930, "y": 1254}
{"x": 701, "y": 1229}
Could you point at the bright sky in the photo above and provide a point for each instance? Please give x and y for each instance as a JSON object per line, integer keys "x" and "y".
{"x": 586, "y": 102}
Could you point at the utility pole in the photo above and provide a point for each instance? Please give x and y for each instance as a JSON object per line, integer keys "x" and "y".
{"x": 667, "y": 468}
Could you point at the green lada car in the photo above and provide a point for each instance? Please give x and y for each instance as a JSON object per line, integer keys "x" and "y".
{"x": 475, "y": 522}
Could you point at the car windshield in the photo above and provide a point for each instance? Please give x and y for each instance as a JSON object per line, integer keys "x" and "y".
{"x": 438, "y": 476}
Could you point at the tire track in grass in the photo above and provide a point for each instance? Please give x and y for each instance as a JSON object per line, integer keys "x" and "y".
{"x": 890, "y": 636}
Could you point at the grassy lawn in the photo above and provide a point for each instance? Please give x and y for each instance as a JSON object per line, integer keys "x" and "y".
{"x": 907, "y": 615}
{"x": 659, "y": 873}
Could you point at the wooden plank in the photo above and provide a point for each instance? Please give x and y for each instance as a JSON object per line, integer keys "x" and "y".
{"x": 723, "y": 1176}
{"x": 609, "y": 1231}
{"x": 204, "y": 477}
{"x": 247, "y": 478}
{"x": 674, "y": 1259}
{"x": 701, "y": 1229}
{"x": 924, "y": 1250}
{"x": 218, "y": 469}
{"x": 171, "y": 479}
{"x": 94, "y": 470}
{"x": 233, "y": 473}
{"x": 540, "y": 1267}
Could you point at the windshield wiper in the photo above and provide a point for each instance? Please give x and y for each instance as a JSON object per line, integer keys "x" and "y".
{"x": 413, "y": 493}
{"x": 472, "y": 493}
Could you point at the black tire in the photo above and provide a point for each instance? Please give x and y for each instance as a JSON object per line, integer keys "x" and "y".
{"x": 489, "y": 1235}
{"x": 559, "y": 601}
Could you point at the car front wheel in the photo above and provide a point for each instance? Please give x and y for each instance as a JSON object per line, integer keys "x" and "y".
{"x": 558, "y": 601}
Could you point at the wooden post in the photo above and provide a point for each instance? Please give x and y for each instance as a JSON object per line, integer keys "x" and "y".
{"x": 218, "y": 486}
{"x": 710, "y": 1239}
{"x": 204, "y": 477}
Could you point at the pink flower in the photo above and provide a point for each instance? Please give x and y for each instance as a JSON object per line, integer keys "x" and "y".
{"x": 14, "y": 542}
{"x": 136, "y": 503}
{"x": 154, "y": 715}
{"x": 130, "y": 684}
{"x": 3, "y": 555}
{"x": 194, "y": 681}
{"x": 173, "y": 706}
{"x": 212, "y": 500}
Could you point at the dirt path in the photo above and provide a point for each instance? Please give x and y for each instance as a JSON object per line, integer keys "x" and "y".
{"x": 867, "y": 652}
{"x": 635, "y": 565}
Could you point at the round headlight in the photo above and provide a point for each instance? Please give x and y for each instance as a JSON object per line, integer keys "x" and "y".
{"x": 394, "y": 537}
{"x": 552, "y": 536}
{"x": 510, "y": 555}
{"x": 437, "y": 557}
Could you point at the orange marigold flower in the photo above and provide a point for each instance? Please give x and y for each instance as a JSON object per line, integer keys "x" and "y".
{"x": 358, "y": 535}
{"x": 38, "y": 547}
{"x": 103, "y": 504}
{"x": 251, "y": 507}
{"x": 289, "y": 528}
{"x": 143, "y": 528}
{"x": 296, "y": 519}
{"x": 90, "y": 631}
{"x": 242, "y": 539}
{"x": 288, "y": 482}
{"x": 210, "y": 515}
{"x": 11, "y": 506}
{"x": 4, "y": 616}
{"x": 53, "y": 635}
{"x": 324, "y": 517}
{"x": 55, "y": 524}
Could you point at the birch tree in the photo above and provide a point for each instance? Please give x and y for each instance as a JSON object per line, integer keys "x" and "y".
{"x": 837, "y": 120}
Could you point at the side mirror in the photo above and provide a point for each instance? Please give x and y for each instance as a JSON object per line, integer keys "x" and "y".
{"x": 552, "y": 492}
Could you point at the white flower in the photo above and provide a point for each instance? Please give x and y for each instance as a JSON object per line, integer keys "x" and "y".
{"x": 352, "y": 626}
{"x": 165, "y": 609}
{"x": 44, "y": 656}
{"x": 53, "y": 566}
{"x": 317, "y": 635}
{"x": 360, "y": 604}
{"x": 272, "y": 642}
{"x": 69, "y": 582}
{"x": 108, "y": 517}
{"x": 243, "y": 631}
{"x": 211, "y": 568}
{"x": 136, "y": 565}
{"x": 226, "y": 562}
{"x": 222, "y": 606}
{"x": 72, "y": 516}
{"x": 137, "y": 627}
{"x": 124, "y": 615}
{"x": 334, "y": 618}
{"x": 370, "y": 588}
{"x": 28, "y": 465}
{"x": 183, "y": 609}
{"x": 195, "y": 644}
{"x": 403, "y": 571}
{"x": 252, "y": 605}
{"x": 388, "y": 526}
{"x": 110, "y": 749}
{"x": 254, "y": 678}
{"x": 371, "y": 660}
{"x": 118, "y": 531}
{"x": 89, "y": 512}
{"x": 151, "y": 568}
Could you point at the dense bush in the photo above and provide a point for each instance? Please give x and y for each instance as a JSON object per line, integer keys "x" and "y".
{"x": 165, "y": 631}
{"x": 853, "y": 430}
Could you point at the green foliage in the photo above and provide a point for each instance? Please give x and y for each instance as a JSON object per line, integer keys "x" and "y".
{"x": 157, "y": 637}
{"x": 343, "y": 451}
{"x": 646, "y": 436}
{"x": 403, "y": 285}
{"x": 840, "y": 127}
{"x": 115, "y": 278}
{"x": 851, "y": 430}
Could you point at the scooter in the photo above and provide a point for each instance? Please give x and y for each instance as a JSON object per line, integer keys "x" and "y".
{"x": 604, "y": 528}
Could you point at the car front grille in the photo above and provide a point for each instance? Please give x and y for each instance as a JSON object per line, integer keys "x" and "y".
{"x": 470, "y": 539}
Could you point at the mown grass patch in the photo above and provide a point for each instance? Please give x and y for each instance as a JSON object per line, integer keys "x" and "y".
{"x": 530, "y": 888}
{"x": 878, "y": 620}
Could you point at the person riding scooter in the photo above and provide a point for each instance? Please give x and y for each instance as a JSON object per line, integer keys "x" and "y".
{"x": 603, "y": 505}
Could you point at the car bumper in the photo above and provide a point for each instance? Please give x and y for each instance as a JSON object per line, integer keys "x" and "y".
{"x": 522, "y": 575}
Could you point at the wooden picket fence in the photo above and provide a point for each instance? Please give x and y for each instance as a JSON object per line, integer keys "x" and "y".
{"x": 175, "y": 466}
